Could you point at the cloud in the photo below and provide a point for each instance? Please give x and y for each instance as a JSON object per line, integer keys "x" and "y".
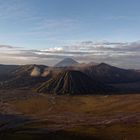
{"x": 54, "y": 23}
{"x": 13, "y": 9}
{"x": 51, "y": 29}
{"x": 21, "y": 21}
{"x": 55, "y": 49}
{"x": 8, "y": 46}
{"x": 121, "y": 18}
{"x": 121, "y": 54}
{"x": 103, "y": 43}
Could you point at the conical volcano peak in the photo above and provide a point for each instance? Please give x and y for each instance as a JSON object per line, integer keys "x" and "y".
{"x": 69, "y": 59}
{"x": 66, "y": 62}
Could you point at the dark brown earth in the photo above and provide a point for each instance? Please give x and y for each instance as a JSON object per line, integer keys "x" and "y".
{"x": 26, "y": 115}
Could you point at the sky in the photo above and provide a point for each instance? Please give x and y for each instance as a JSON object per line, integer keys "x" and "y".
{"x": 46, "y": 31}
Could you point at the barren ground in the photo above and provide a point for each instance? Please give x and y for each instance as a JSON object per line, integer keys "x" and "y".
{"x": 27, "y": 115}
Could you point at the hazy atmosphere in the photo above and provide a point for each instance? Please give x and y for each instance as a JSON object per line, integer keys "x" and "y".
{"x": 46, "y": 31}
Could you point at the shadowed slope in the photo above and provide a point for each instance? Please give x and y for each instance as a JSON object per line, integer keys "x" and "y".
{"x": 5, "y": 71}
{"x": 111, "y": 74}
{"x": 72, "y": 82}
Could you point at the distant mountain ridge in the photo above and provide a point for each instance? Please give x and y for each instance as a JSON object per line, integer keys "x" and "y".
{"x": 44, "y": 78}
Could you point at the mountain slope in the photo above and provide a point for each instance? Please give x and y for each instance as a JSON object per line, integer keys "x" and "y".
{"x": 25, "y": 76}
{"x": 66, "y": 63}
{"x": 5, "y": 71}
{"x": 111, "y": 74}
{"x": 27, "y": 69}
{"x": 73, "y": 82}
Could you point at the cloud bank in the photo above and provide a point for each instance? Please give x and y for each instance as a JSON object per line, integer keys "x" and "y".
{"x": 122, "y": 54}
